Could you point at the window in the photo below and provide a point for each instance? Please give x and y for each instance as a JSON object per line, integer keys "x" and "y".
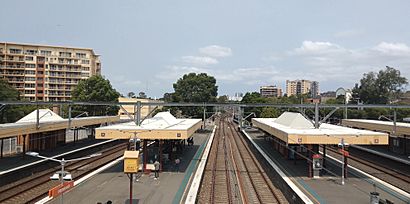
{"x": 85, "y": 61}
{"x": 86, "y": 68}
{"x": 30, "y": 85}
{"x": 80, "y": 55}
{"x": 31, "y": 52}
{"x": 30, "y": 72}
{"x": 29, "y": 91}
{"x": 30, "y": 66}
{"x": 45, "y": 52}
{"x": 65, "y": 54}
{"x": 29, "y": 58}
{"x": 85, "y": 74}
{"x": 15, "y": 51}
{"x": 30, "y": 79}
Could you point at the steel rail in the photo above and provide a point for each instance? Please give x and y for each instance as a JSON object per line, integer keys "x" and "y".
{"x": 173, "y": 104}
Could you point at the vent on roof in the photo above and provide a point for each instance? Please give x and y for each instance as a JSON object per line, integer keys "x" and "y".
{"x": 294, "y": 120}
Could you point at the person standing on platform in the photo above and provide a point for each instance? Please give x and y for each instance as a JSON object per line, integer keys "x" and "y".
{"x": 177, "y": 161}
{"x": 156, "y": 167}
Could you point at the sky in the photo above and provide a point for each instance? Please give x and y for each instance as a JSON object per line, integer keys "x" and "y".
{"x": 148, "y": 45}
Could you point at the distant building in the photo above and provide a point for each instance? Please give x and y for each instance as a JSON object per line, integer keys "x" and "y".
{"x": 270, "y": 91}
{"x": 298, "y": 87}
{"x": 236, "y": 97}
{"x": 45, "y": 72}
{"x": 327, "y": 95}
{"x": 314, "y": 89}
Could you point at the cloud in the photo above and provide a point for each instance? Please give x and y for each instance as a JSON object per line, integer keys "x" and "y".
{"x": 398, "y": 49}
{"x": 199, "y": 60}
{"x": 215, "y": 51}
{"x": 314, "y": 48}
{"x": 328, "y": 61}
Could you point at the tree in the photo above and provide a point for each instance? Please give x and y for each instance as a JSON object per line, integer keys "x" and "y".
{"x": 223, "y": 99}
{"x": 131, "y": 94}
{"x": 11, "y": 113}
{"x": 96, "y": 89}
{"x": 197, "y": 88}
{"x": 142, "y": 95}
{"x": 382, "y": 87}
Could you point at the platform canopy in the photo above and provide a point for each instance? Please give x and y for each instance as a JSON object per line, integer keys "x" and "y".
{"x": 294, "y": 128}
{"x": 162, "y": 126}
{"x": 378, "y": 125}
{"x": 49, "y": 121}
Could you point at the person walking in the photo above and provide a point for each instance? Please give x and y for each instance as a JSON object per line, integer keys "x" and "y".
{"x": 156, "y": 167}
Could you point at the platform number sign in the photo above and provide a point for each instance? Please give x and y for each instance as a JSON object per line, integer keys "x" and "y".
{"x": 376, "y": 141}
{"x": 299, "y": 140}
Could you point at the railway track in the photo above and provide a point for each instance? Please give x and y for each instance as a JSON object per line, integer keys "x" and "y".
{"x": 35, "y": 187}
{"x": 382, "y": 171}
{"x": 233, "y": 174}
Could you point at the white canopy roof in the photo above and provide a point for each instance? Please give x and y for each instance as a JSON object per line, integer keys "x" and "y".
{"x": 45, "y": 115}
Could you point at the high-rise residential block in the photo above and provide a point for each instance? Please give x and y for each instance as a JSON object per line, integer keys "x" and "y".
{"x": 44, "y": 72}
{"x": 270, "y": 91}
{"x": 298, "y": 87}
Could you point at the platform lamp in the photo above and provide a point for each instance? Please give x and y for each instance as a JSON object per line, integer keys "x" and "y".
{"x": 61, "y": 175}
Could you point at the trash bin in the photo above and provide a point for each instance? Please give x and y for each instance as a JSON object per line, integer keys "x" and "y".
{"x": 374, "y": 197}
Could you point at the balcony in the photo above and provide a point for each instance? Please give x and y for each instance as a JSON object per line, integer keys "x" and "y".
{"x": 13, "y": 73}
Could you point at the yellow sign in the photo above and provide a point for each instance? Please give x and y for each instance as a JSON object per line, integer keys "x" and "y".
{"x": 131, "y": 163}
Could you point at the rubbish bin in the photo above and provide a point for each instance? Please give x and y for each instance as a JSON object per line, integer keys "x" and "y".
{"x": 374, "y": 197}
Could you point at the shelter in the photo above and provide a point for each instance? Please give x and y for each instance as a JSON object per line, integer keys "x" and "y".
{"x": 48, "y": 131}
{"x": 294, "y": 128}
{"x": 399, "y": 140}
{"x": 292, "y": 132}
{"x": 163, "y": 127}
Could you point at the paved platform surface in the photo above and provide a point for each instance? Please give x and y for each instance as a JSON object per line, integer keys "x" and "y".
{"x": 113, "y": 184}
{"x": 17, "y": 160}
{"x": 328, "y": 188}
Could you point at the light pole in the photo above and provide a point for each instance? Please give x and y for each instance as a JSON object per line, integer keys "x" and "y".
{"x": 62, "y": 162}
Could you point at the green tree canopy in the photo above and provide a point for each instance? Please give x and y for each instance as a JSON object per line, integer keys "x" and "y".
{"x": 11, "y": 113}
{"x": 382, "y": 87}
{"x": 192, "y": 87}
{"x": 96, "y": 89}
{"x": 7, "y": 92}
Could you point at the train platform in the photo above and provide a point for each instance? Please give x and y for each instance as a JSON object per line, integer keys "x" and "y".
{"x": 18, "y": 161}
{"x": 327, "y": 188}
{"x": 113, "y": 185}
{"x": 384, "y": 152}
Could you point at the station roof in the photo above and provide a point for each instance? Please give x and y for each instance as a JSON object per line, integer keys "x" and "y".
{"x": 49, "y": 121}
{"x": 293, "y": 128}
{"x": 162, "y": 126}
{"x": 378, "y": 125}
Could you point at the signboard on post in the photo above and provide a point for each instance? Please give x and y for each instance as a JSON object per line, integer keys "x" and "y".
{"x": 131, "y": 163}
{"x": 56, "y": 191}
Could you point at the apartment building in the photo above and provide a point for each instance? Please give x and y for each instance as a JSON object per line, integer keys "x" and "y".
{"x": 270, "y": 91}
{"x": 298, "y": 87}
{"x": 44, "y": 72}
